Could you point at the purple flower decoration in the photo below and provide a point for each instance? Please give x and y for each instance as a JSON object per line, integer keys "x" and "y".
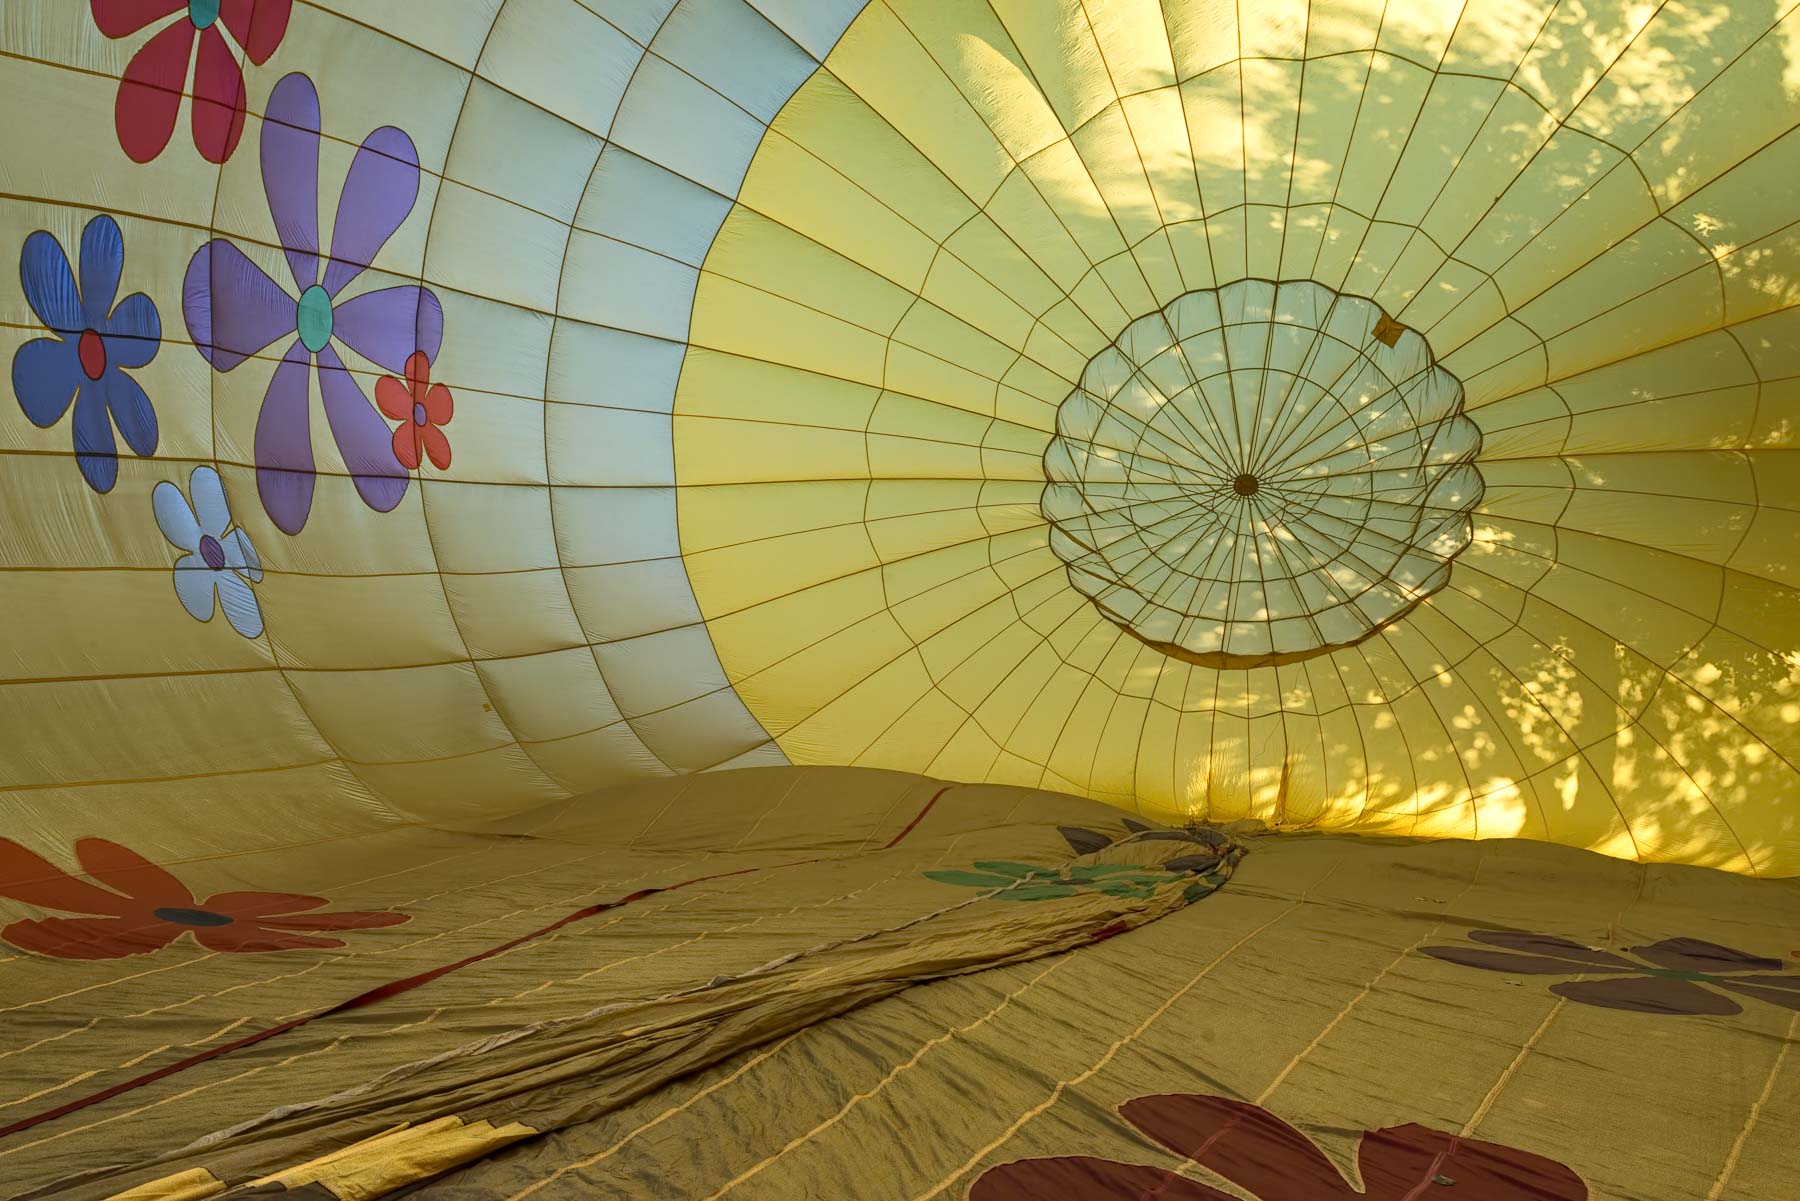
{"x": 1672, "y": 976}
{"x": 94, "y": 341}
{"x": 235, "y": 310}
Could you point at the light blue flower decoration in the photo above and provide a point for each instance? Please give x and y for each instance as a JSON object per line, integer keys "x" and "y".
{"x": 220, "y": 564}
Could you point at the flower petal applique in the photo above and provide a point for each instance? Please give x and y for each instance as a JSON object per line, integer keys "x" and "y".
{"x": 196, "y": 586}
{"x": 379, "y": 192}
{"x": 46, "y": 375}
{"x": 233, "y": 308}
{"x": 246, "y": 938}
{"x": 102, "y": 261}
{"x": 1782, "y": 990}
{"x": 394, "y": 398}
{"x": 284, "y": 457}
{"x": 290, "y": 171}
{"x": 362, "y": 437}
{"x": 29, "y": 877}
{"x": 290, "y": 911}
{"x": 218, "y": 105}
{"x": 241, "y": 557}
{"x": 437, "y": 446}
{"x": 1696, "y": 955}
{"x": 96, "y": 450}
{"x": 211, "y": 510}
{"x": 261, "y": 904}
{"x": 49, "y": 283}
{"x": 175, "y": 517}
{"x": 128, "y": 925}
{"x": 1532, "y": 954}
{"x": 1551, "y": 945}
{"x": 388, "y": 325}
{"x": 238, "y": 600}
{"x": 150, "y": 91}
{"x": 126, "y": 402}
{"x": 133, "y": 333}
{"x": 1649, "y": 994}
{"x": 125, "y": 870}
{"x": 90, "y": 937}
{"x": 394, "y": 401}
{"x": 258, "y": 25}
{"x": 1244, "y": 1143}
{"x": 439, "y": 405}
{"x": 1403, "y": 1163}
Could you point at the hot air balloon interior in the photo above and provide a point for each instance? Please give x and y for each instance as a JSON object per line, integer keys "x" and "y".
{"x": 900, "y": 600}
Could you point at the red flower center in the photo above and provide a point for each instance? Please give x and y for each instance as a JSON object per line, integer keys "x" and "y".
{"x": 191, "y": 917}
{"x": 93, "y": 354}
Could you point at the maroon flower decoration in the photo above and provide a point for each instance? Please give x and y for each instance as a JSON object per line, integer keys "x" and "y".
{"x": 143, "y": 908}
{"x": 150, "y": 91}
{"x": 1676, "y": 975}
{"x": 1268, "y": 1158}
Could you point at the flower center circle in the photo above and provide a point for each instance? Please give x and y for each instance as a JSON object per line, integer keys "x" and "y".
{"x": 212, "y": 552}
{"x": 315, "y": 318}
{"x": 203, "y": 12}
{"x": 418, "y": 413}
{"x": 191, "y": 917}
{"x": 1336, "y": 420}
{"x": 92, "y": 351}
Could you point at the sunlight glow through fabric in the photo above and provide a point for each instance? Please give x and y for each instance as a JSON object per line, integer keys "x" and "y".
{"x": 1365, "y": 416}
{"x": 1257, "y": 475}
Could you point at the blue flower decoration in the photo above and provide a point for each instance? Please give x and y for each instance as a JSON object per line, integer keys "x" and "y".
{"x": 84, "y": 363}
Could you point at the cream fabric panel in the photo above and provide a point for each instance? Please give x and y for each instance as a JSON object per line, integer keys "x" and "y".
{"x": 448, "y": 653}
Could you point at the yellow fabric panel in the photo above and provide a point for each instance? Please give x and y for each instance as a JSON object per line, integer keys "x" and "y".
{"x": 768, "y": 326}
{"x": 375, "y": 1167}
{"x": 195, "y": 1184}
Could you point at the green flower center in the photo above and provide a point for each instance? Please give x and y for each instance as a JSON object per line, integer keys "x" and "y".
{"x": 1669, "y": 973}
{"x": 203, "y": 12}
{"x": 315, "y": 318}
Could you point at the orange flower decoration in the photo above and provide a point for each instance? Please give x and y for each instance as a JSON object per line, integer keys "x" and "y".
{"x": 143, "y": 908}
{"x": 420, "y": 407}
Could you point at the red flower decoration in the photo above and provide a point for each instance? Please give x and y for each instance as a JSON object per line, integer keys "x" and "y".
{"x": 1265, "y": 1156}
{"x": 143, "y": 908}
{"x": 420, "y": 407}
{"x": 150, "y": 91}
